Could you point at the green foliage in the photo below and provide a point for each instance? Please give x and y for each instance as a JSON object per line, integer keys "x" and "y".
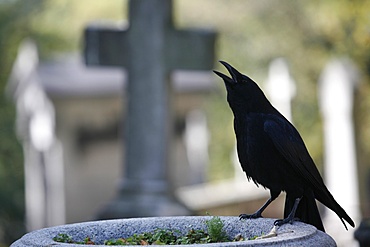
{"x": 158, "y": 237}
{"x": 161, "y": 236}
{"x": 63, "y": 238}
{"x": 215, "y": 233}
{"x": 215, "y": 229}
{"x": 11, "y": 177}
{"x": 194, "y": 237}
{"x": 14, "y": 19}
{"x": 119, "y": 241}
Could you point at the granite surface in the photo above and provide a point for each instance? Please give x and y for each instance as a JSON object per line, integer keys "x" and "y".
{"x": 296, "y": 234}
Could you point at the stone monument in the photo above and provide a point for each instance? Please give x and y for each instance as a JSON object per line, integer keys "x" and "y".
{"x": 336, "y": 89}
{"x": 43, "y": 162}
{"x": 149, "y": 50}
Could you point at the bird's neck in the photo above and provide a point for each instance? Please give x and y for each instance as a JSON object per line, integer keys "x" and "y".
{"x": 255, "y": 105}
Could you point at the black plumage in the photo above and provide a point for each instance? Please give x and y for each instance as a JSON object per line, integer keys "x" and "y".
{"x": 273, "y": 154}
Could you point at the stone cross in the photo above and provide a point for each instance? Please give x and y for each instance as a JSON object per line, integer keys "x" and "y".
{"x": 336, "y": 89}
{"x": 149, "y": 50}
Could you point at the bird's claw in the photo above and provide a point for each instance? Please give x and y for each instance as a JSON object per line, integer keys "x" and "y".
{"x": 250, "y": 216}
{"x": 285, "y": 221}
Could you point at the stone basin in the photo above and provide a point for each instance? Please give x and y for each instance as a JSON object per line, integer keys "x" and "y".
{"x": 296, "y": 234}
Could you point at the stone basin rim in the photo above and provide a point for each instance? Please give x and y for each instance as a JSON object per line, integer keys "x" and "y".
{"x": 298, "y": 233}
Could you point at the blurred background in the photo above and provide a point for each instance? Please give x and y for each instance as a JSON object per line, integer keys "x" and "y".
{"x": 67, "y": 120}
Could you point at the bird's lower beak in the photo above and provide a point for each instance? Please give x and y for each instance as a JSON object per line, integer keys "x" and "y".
{"x": 224, "y": 77}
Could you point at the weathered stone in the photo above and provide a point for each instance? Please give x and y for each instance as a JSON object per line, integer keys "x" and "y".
{"x": 296, "y": 234}
{"x": 150, "y": 49}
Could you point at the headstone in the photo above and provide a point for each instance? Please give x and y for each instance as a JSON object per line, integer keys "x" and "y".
{"x": 196, "y": 141}
{"x": 280, "y": 87}
{"x": 44, "y": 185}
{"x": 336, "y": 89}
{"x": 150, "y": 49}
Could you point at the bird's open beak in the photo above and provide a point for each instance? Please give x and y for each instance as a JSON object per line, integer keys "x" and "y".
{"x": 224, "y": 77}
{"x": 236, "y": 75}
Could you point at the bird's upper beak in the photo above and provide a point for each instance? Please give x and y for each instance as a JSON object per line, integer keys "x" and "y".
{"x": 236, "y": 75}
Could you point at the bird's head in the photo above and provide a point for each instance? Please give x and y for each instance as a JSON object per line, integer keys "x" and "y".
{"x": 242, "y": 92}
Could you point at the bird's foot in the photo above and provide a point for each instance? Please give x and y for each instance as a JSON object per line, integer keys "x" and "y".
{"x": 250, "y": 216}
{"x": 289, "y": 220}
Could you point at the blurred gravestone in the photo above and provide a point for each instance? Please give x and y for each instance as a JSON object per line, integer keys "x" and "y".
{"x": 281, "y": 87}
{"x": 336, "y": 89}
{"x": 150, "y": 49}
{"x": 44, "y": 184}
{"x": 196, "y": 142}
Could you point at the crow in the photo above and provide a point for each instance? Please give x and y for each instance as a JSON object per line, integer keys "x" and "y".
{"x": 273, "y": 154}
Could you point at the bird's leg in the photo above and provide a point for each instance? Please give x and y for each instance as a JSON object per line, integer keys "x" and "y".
{"x": 290, "y": 218}
{"x": 258, "y": 213}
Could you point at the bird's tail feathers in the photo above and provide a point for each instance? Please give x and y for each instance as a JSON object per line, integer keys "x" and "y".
{"x": 331, "y": 203}
{"x": 307, "y": 210}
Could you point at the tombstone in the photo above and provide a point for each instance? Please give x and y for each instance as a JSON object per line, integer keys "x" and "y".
{"x": 44, "y": 186}
{"x": 196, "y": 139}
{"x": 336, "y": 89}
{"x": 149, "y": 49}
{"x": 88, "y": 107}
{"x": 280, "y": 87}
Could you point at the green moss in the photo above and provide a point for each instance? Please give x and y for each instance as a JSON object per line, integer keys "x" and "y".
{"x": 214, "y": 233}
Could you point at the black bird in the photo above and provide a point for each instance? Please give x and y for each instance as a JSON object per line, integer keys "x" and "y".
{"x": 273, "y": 154}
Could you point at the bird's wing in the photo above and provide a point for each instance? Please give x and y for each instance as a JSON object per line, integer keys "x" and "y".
{"x": 291, "y": 146}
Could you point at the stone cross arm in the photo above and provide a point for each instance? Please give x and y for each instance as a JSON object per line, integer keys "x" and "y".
{"x": 185, "y": 49}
